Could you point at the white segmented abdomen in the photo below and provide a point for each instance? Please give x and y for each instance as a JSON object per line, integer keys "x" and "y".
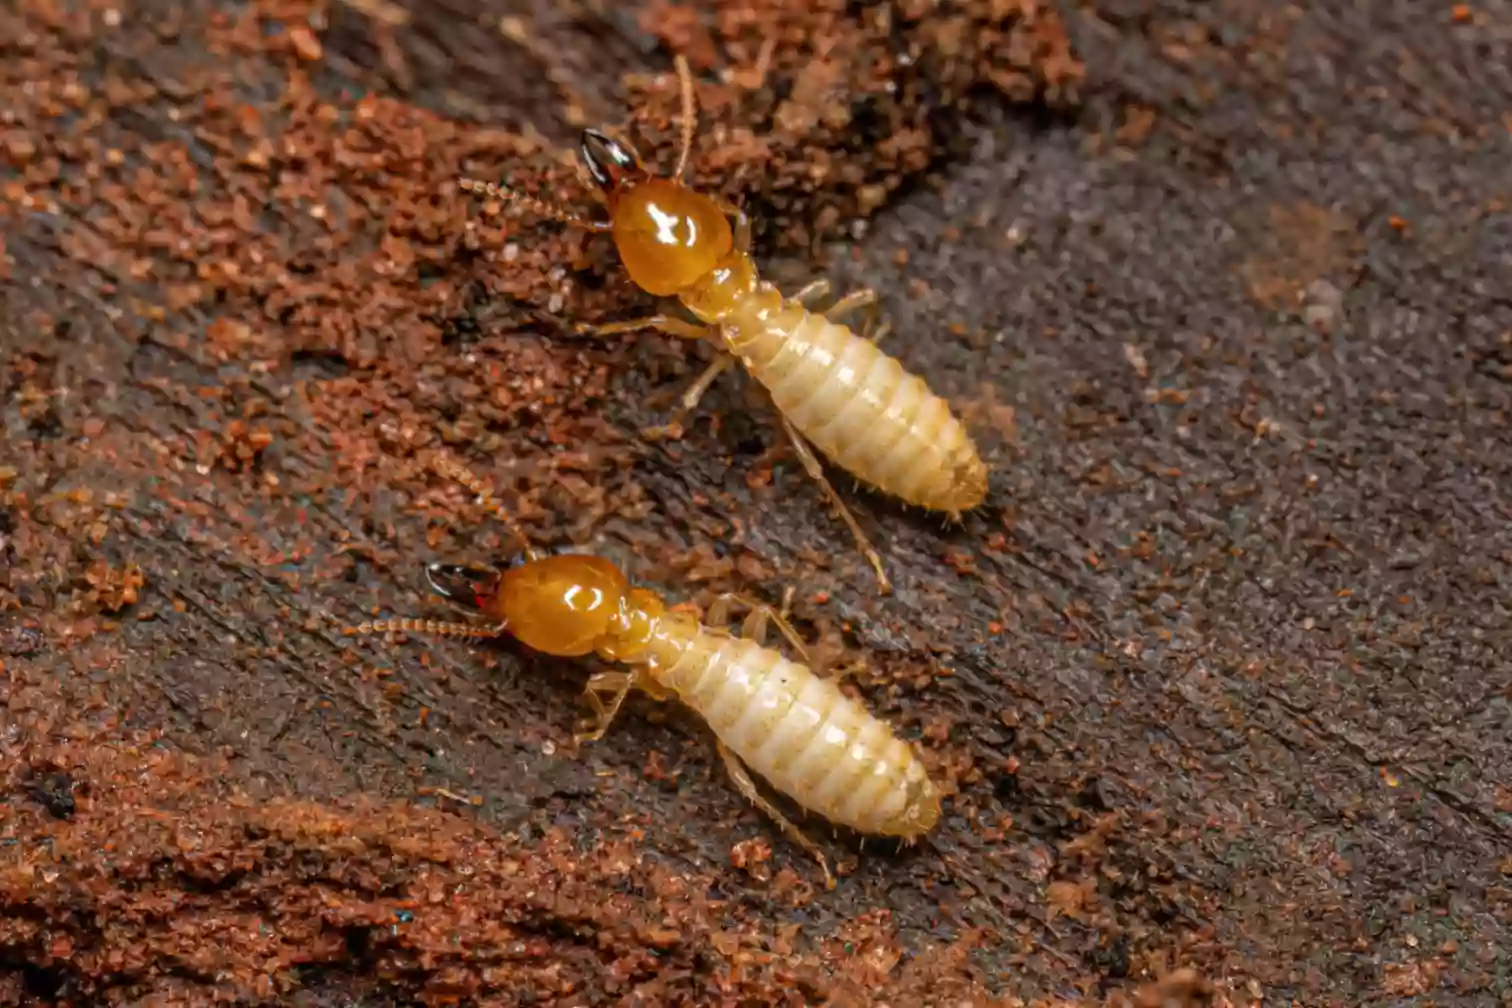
{"x": 805, "y": 736}
{"x": 858, "y": 405}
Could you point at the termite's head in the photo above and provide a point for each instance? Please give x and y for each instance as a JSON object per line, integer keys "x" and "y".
{"x": 668, "y": 236}
{"x": 560, "y": 605}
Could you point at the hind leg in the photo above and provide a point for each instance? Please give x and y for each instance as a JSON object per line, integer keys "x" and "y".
{"x": 816, "y": 470}
{"x": 754, "y": 627}
{"x": 741, "y": 777}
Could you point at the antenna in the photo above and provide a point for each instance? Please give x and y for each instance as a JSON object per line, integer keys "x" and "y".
{"x": 451, "y": 468}
{"x": 538, "y": 206}
{"x": 689, "y": 113}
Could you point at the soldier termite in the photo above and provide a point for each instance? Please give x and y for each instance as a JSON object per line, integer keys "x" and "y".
{"x": 831, "y": 387}
{"x": 778, "y": 717}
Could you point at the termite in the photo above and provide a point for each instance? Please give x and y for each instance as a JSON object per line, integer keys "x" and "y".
{"x": 831, "y": 387}
{"x": 775, "y": 716}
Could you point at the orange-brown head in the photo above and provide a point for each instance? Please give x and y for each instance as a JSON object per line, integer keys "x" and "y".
{"x": 559, "y": 605}
{"x": 668, "y": 236}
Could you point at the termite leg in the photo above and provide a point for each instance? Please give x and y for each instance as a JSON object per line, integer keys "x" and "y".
{"x": 742, "y": 231}
{"x": 742, "y": 222}
{"x": 719, "y": 612}
{"x": 683, "y": 330}
{"x": 816, "y": 470}
{"x": 840, "y": 672}
{"x": 743, "y": 783}
{"x": 616, "y": 683}
{"x": 759, "y": 614}
{"x": 692, "y": 396}
{"x": 875, "y": 327}
{"x": 666, "y": 323}
{"x": 755, "y": 627}
{"x": 862, "y": 298}
{"x": 812, "y": 292}
{"x": 695, "y": 392}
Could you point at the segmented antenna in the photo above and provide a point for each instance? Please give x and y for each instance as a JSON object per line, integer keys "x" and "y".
{"x": 689, "y": 114}
{"x": 421, "y": 626}
{"x": 452, "y": 469}
{"x": 541, "y": 207}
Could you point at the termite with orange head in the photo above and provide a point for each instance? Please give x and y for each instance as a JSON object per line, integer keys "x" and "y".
{"x": 769, "y": 714}
{"x": 833, "y": 388}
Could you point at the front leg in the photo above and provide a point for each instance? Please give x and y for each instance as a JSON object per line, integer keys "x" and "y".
{"x": 617, "y": 685}
{"x": 692, "y": 396}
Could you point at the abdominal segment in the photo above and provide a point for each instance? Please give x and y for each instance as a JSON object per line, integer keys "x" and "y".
{"x": 805, "y": 737}
{"x": 865, "y": 412}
